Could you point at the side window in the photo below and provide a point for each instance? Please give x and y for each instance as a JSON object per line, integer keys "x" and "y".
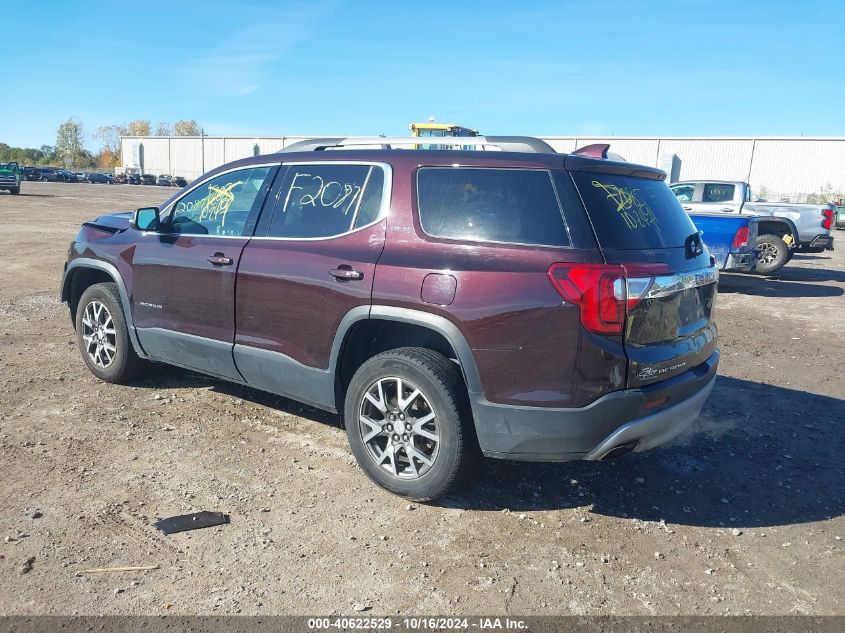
{"x": 371, "y": 201}
{"x": 683, "y": 193}
{"x": 517, "y": 206}
{"x": 219, "y": 206}
{"x": 321, "y": 201}
{"x": 717, "y": 192}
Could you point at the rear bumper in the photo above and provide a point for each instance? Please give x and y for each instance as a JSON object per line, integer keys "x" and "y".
{"x": 741, "y": 262}
{"x": 818, "y": 244}
{"x": 618, "y": 422}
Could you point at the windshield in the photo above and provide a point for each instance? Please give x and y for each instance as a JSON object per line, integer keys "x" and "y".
{"x": 633, "y": 213}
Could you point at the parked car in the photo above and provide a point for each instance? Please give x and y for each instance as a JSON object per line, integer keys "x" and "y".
{"x": 48, "y": 174}
{"x": 731, "y": 239}
{"x": 81, "y": 176}
{"x": 787, "y": 228}
{"x": 69, "y": 176}
{"x": 98, "y": 179}
{"x": 532, "y": 305}
{"x": 178, "y": 181}
{"x": 10, "y": 177}
{"x": 31, "y": 173}
{"x": 148, "y": 179}
{"x": 133, "y": 179}
{"x": 840, "y": 217}
{"x": 164, "y": 180}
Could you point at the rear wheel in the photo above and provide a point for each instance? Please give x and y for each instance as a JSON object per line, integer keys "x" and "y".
{"x": 407, "y": 423}
{"x": 773, "y": 254}
{"x": 102, "y": 335}
{"x": 15, "y": 190}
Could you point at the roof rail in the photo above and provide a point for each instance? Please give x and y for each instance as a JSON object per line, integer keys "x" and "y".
{"x": 494, "y": 143}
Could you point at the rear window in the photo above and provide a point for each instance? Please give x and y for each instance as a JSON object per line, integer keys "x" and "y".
{"x": 633, "y": 213}
{"x": 517, "y": 206}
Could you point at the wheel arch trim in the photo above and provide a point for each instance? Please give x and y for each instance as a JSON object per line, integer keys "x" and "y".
{"x": 81, "y": 263}
{"x": 433, "y": 322}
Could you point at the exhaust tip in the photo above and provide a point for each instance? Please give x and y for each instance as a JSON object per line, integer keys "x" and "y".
{"x": 619, "y": 451}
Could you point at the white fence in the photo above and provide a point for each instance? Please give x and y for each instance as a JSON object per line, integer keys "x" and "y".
{"x": 790, "y": 168}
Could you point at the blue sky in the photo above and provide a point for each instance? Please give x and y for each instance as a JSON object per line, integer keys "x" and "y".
{"x": 681, "y": 67}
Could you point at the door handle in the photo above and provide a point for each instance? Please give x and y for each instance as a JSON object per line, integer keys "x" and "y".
{"x": 219, "y": 259}
{"x": 344, "y": 272}
{"x": 687, "y": 208}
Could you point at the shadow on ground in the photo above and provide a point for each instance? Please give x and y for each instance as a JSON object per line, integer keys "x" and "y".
{"x": 759, "y": 455}
{"x": 790, "y": 282}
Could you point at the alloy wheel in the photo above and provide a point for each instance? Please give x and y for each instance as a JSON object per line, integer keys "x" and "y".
{"x": 98, "y": 334}
{"x": 768, "y": 253}
{"x": 399, "y": 428}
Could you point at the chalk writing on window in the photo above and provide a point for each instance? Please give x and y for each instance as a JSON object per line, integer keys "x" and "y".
{"x": 313, "y": 190}
{"x": 211, "y": 208}
{"x": 631, "y": 207}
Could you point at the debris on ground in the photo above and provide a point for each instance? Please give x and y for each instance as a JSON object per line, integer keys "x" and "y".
{"x": 28, "y": 565}
{"x": 107, "y": 570}
{"x": 195, "y": 521}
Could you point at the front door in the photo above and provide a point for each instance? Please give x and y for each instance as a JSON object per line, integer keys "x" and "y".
{"x": 183, "y": 301}
{"x": 311, "y": 261}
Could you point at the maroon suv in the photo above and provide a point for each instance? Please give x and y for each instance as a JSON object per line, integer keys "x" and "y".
{"x": 530, "y": 304}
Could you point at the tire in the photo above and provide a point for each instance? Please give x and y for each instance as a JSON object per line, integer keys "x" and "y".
{"x": 120, "y": 365}
{"x": 44, "y": 179}
{"x": 773, "y": 254}
{"x": 15, "y": 191}
{"x": 430, "y": 469}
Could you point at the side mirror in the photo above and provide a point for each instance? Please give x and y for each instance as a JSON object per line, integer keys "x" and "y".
{"x": 145, "y": 219}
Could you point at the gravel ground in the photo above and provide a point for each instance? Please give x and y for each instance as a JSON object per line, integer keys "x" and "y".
{"x": 743, "y": 515}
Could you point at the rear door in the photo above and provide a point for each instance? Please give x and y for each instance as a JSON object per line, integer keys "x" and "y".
{"x": 671, "y": 283}
{"x": 312, "y": 260}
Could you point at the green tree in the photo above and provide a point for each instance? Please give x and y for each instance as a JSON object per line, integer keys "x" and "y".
{"x": 162, "y": 129}
{"x": 69, "y": 143}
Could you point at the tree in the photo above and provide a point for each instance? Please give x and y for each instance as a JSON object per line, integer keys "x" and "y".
{"x": 107, "y": 159}
{"x": 109, "y": 136}
{"x": 69, "y": 144}
{"x": 140, "y": 127}
{"x": 162, "y": 129}
{"x": 186, "y": 128}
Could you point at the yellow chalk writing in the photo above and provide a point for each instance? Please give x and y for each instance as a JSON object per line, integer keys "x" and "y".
{"x": 635, "y": 212}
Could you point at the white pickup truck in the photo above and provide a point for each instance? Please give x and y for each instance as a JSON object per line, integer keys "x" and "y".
{"x": 784, "y": 228}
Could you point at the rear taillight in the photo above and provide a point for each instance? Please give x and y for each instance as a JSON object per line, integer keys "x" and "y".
{"x": 605, "y": 293}
{"x": 741, "y": 237}
{"x": 827, "y": 222}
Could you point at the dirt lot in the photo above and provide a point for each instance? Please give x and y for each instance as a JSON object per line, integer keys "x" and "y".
{"x": 744, "y": 515}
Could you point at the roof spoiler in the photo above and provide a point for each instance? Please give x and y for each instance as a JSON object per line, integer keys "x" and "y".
{"x": 599, "y": 150}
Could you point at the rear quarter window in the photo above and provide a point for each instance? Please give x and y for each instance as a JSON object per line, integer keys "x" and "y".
{"x": 718, "y": 192}
{"x": 515, "y": 206}
{"x": 633, "y": 213}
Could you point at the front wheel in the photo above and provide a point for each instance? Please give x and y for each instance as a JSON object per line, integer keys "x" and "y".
{"x": 102, "y": 335}
{"x": 408, "y": 424}
{"x": 773, "y": 254}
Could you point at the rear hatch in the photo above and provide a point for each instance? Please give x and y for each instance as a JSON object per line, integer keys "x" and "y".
{"x": 668, "y": 283}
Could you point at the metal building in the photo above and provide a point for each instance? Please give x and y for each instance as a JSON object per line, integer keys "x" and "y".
{"x": 781, "y": 168}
